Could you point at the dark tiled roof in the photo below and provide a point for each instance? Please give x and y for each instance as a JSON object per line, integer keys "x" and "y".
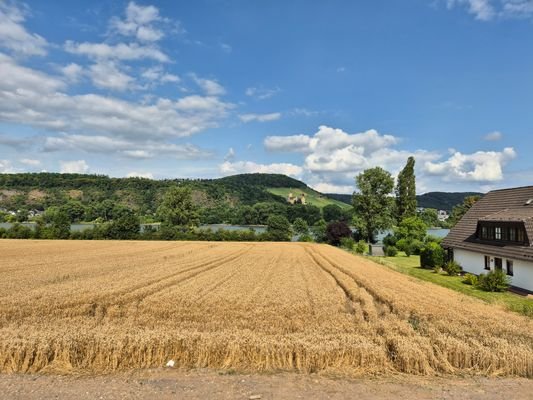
{"x": 498, "y": 205}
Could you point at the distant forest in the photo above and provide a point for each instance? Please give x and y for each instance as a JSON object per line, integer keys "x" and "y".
{"x": 437, "y": 200}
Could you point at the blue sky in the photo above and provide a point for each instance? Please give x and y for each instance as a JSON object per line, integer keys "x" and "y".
{"x": 313, "y": 89}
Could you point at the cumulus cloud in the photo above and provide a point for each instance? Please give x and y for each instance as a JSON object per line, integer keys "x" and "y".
{"x": 107, "y": 75}
{"x": 30, "y": 162}
{"x": 72, "y": 72}
{"x": 158, "y": 75}
{"x": 139, "y": 22}
{"x": 14, "y": 36}
{"x": 129, "y": 148}
{"x": 6, "y": 167}
{"x": 294, "y": 143}
{"x": 481, "y": 166}
{"x": 120, "y": 51}
{"x": 209, "y": 86}
{"x": 325, "y": 187}
{"x": 486, "y": 10}
{"x": 33, "y": 98}
{"x": 74, "y": 167}
{"x": 262, "y": 93}
{"x": 260, "y": 117}
{"x": 134, "y": 174}
{"x": 493, "y": 136}
{"x": 230, "y": 155}
{"x": 242, "y": 167}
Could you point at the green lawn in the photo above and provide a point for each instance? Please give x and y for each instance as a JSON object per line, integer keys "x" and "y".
{"x": 312, "y": 197}
{"x": 411, "y": 266}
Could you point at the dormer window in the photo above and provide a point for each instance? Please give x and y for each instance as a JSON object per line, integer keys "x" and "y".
{"x": 498, "y": 232}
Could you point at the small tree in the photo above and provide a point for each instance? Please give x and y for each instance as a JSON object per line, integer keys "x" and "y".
{"x": 279, "y": 228}
{"x": 178, "y": 209}
{"x": 332, "y": 212}
{"x": 431, "y": 256}
{"x": 373, "y": 204}
{"x": 300, "y": 226}
{"x": 319, "y": 231}
{"x": 126, "y": 227}
{"x": 406, "y": 191}
{"x": 335, "y": 231}
{"x": 494, "y": 281}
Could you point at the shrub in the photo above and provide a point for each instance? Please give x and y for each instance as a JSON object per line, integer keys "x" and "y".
{"x": 335, "y": 231}
{"x": 348, "y": 243}
{"x": 305, "y": 238}
{"x": 390, "y": 251}
{"x": 437, "y": 269}
{"x": 470, "y": 279}
{"x": 432, "y": 255}
{"x": 452, "y": 268}
{"x": 416, "y": 247}
{"x": 494, "y": 281}
{"x": 361, "y": 247}
{"x": 389, "y": 240}
{"x": 279, "y": 228}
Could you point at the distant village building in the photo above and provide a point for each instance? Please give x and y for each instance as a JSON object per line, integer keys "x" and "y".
{"x": 291, "y": 199}
{"x": 443, "y": 215}
{"x": 497, "y": 234}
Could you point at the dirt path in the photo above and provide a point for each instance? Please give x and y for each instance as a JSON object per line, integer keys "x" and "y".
{"x": 175, "y": 384}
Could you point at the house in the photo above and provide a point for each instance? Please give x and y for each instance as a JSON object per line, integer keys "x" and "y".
{"x": 497, "y": 233}
{"x": 442, "y": 215}
{"x": 291, "y": 199}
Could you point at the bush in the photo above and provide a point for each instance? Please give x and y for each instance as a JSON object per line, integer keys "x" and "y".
{"x": 361, "y": 247}
{"x": 305, "y": 238}
{"x": 494, "y": 281}
{"x": 470, "y": 279}
{"x": 389, "y": 240}
{"x": 347, "y": 243}
{"x": 431, "y": 256}
{"x": 452, "y": 268}
{"x": 279, "y": 228}
{"x": 416, "y": 247}
{"x": 390, "y": 251}
{"x": 336, "y": 231}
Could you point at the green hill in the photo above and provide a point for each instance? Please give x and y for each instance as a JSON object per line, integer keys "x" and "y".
{"x": 312, "y": 196}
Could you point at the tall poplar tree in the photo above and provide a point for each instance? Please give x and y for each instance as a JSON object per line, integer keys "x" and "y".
{"x": 406, "y": 191}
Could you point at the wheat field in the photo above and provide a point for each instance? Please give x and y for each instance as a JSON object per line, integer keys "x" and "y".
{"x": 103, "y": 306}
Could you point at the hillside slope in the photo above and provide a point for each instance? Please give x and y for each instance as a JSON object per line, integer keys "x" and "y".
{"x": 312, "y": 196}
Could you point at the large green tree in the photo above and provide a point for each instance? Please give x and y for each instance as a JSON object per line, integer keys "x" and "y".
{"x": 372, "y": 202}
{"x": 461, "y": 209}
{"x": 178, "y": 209}
{"x": 406, "y": 191}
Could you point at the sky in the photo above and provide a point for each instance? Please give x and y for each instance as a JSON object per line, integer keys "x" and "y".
{"x": 318, "y": 90}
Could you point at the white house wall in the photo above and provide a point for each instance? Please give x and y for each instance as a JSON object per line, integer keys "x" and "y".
{"x": 475, "y": 263}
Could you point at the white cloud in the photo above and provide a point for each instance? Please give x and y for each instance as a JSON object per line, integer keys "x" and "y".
{"x": 486, "y": 10}
{"x": 481, "y": 166}
{"x": 13, "y": 35}
{"x": 107, "y": 75}
{"x": 261, "y": 93}
{"x": 74, "y": 167}
{"x": 243, "y": 167}
{"x": 132, "y": 149}
{"x": 209, "y": 86}
{"x": 6, "y": 167}
{"x": 325, "y": 187}
{"x": 120, "y": 51}
{"x": 481, "y": 9}
{"x": 260, "y": 117}
{"x": 33, "y": 98}
{"x": 30, "y": 162}
{"x": 230, "y": 155}
{"x": 294, "y": 143}
{"x": 158, "y": 75}
{"x": 134, "y": 174}
{"x": 139, "y": 23}
{"x": 73, "y": 72}
{"x": 493, "y": 136}
{"x": 226, "y": 48}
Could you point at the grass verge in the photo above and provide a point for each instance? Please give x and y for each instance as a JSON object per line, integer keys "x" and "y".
{"x": 411, "y": 266}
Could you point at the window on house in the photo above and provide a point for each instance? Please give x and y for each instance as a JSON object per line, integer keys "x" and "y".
{"x": 497, "y": 264}
{"x": 484, "y": 234}
{"x": 512, "y": 234}
{"x": 520, "y": 235}
{"x": 498, "y": 233}
{"x": 487, "y": 263}
{"x": 510, "y": 271}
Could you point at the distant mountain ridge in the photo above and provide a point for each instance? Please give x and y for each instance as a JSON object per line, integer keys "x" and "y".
{"x": 438, "y": 200}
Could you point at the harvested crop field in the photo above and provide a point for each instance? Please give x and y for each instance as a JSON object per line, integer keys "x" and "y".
{"x": 103, "y": 306}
